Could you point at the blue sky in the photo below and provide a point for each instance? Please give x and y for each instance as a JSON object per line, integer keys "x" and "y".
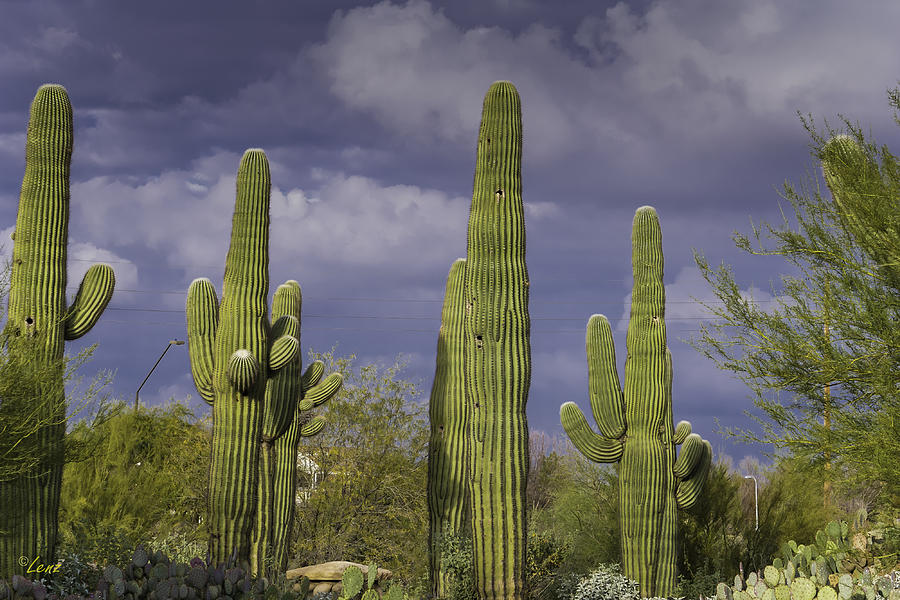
{"x": 369, "y": 116}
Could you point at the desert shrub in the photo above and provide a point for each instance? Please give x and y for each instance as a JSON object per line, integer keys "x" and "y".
{"x": 606, "y": 582}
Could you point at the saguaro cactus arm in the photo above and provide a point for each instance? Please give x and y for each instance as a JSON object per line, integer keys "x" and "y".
{"x": 324, "y": 390}
{"x": 202, "y": 321}
{"x": 93, "y": 296}
{"x": 607, "y": 402}
{"x": 312, "y": 375}
{"x": 691, "y": 486}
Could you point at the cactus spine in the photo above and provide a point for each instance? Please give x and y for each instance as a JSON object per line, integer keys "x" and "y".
{"x": 37, "y": 310}
{"x": 636, "y": 428}
{"x": 447, "y": 462}
{"x": 497, "y": 350}
{"x": 233, "y": 356}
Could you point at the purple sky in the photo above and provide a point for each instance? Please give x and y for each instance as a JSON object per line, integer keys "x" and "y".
{"x": 369, "y": 116}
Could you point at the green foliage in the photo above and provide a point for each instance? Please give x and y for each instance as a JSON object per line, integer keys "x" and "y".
{"x": 709, "y": 533}
{"x": 145, "y": 481}
{"x": 606, "y": 582}
{"x": 845, "y": 253}
{"x": 457, "y": 561}
{"x": 544, "y": 558}
{"x": 369, "y": 503}
{"x": 580, "y": 511}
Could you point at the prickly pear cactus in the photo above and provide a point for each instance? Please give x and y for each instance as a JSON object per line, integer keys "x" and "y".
{"x": 37, "y": 310}
{"x": 636, "y": 427}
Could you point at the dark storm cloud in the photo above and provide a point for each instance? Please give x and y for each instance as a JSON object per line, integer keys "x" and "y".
{"x": 369, "y": 114}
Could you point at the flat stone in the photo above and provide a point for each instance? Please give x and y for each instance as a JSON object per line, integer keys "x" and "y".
{"x": 333, "y": 571}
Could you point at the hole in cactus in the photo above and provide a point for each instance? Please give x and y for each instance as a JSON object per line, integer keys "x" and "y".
{"x": 29, "y": 321}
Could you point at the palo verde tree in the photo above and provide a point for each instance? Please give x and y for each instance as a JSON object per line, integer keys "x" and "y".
{"x": 832, "y": 343}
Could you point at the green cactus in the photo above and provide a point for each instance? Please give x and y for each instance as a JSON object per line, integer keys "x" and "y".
{"x": 497, "y": 350}
{"x": 314, "y": 391}
{"x": 447, "y": 462}
{"x": 287, "y": 401}
{"x": 37, "y": 311}
{"x": 233, "y": 355}
{"x": 636, "y": 427}
{"x": 351, "y": 582}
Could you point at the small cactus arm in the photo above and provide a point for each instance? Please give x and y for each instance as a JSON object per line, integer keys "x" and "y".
{"x": 233, "y": 356}
{"x": 447, "y": 462}
{"x": 635, "y": 425}
{"x": 37, "y": 310}
{"x": 497, "y": 350}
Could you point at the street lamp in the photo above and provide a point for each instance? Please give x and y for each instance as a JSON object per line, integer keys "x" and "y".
{"x": 171, "y": 343}
{"x": 755, "y": 498}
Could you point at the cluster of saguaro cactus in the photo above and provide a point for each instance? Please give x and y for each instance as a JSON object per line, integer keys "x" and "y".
{"x": 248, "y": 369}
{"x": 448, "y": 508}
{"x": 496, "y": 363}
{"x": 37, "y": 309}
{"x": 636, "y": 426}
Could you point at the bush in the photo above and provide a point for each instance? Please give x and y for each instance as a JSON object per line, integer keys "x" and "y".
{"x": 606, "y": 582}
{"x": 545, "y": 556}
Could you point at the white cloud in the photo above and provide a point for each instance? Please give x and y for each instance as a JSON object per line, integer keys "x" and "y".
{"x": 346, "y": 220}
{"x": 686, "y": 296}
{"x": 80, "y": 257}
{"x": 676, "y": 69}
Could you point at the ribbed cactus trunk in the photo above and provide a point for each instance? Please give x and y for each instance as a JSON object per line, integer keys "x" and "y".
{"x": 232, "y": 359}
{"x": 37, "y": 310}
{"x": 636, "y": 428}
{"x": 284, "y": 499}
{"x": 497, "y": 350}
{"x": 448, "y": 507}
{"x": 281, "y": 397}
{"x": 285, "y": 406}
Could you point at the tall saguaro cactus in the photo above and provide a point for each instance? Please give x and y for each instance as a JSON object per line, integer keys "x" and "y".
{"x": 37, "y": 309}
{"x": 233, "y": 356}
{"x": 497, "y": 350}
{"x": 636, "y": 426}
{"x": 448, "y": 508}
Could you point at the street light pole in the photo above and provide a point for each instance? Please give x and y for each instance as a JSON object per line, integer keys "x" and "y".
{"x": 137, "y": 393}
{"x": 755, "y": 498}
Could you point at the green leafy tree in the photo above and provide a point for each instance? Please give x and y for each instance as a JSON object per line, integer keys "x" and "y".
{"x": 582, "y": 513}
{"x": 369, "y": 503}
{"x": 145, "y": 482}
{"x": 832, "y": 342}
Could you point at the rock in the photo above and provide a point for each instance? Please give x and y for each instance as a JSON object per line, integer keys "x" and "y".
{"x": 332, "y": 571}
{"x": 321, "y": 588}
